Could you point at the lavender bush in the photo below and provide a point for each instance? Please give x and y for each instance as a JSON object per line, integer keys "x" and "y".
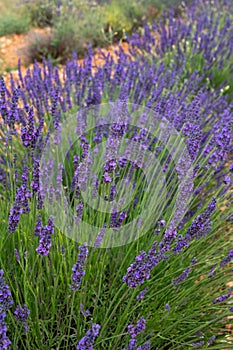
{"x": 168, "y": 289}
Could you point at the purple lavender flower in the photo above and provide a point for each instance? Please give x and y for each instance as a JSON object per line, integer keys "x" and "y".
{"x": 39, "y": 226}
{"x": 99, "y": 237}
{"x": 13, "y": 115}
{"x": 15, "y": 213}
{"x": 110, "y": 166}
{"x": 85, "y": 146}
{"x": 21, "y": 315}
{"x": 27, "y": 132}
{"x": 107, "y": 178}
{"x": 194, "y": 261}
{"x": 211, "y": 340}
{"x": 3, "y": 105}
{"x": 17, "y": 255}
{"x": 21, "y": 204}
{"x": 211, "y": 273}
{"x": 35, "y": 184}
{"x": 199, "y": 344}
{"x": 145, "y": 346}
{"x": 45, "y": 241}
{"x": 138, "y": 272}
{"x": 134, "y": 331}
{"x": 87, "y": 342}
{"x": 4, "y": 340}
{"x": 222, "y": 298}
{"x": 227, "y": 180}
{"x": 201, "y": 225}
{"x": 183, "y": 276}
{"x": 141, "y": 295}
{"x": 157, "y": 231}
{"x": 6, "y": 300}
{"x": 162, "y": 223}
{"x": 78, "y": 268}
{"x": 84, "y": 313}
{"x": 227, "y": 259}
{"x": 167, "y": 307}
{"x": 63, "y": 249}
{"x": 132, "y": 345}
{"x": 79, "y": 210}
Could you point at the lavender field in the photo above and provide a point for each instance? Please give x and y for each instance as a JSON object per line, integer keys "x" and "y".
{"x": 116, "y": 201}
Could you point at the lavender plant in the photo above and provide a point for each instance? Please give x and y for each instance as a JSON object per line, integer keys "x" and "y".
{"x": 167, "y": 289}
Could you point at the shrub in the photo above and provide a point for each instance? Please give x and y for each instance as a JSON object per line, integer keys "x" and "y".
{"x": 68, "y": 35}
{"x": 13, "y": 23}
{"x": 41, "y": 12}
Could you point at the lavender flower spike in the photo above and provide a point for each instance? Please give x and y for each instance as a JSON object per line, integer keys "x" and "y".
{"x": 145, "y": 346}
{"x": 4, "y": 340}
{"x": 141, "y": 295}
{"x": 78, "y": 268}
{"x": 21, "y": 315}
{"x": 222, "y": 298}
{"x": 46, "y": 238}
{"x": 132, "y": 345}
{"x": 6, "y": 300}
{"x": 87, "y": 342}
{"x": 83, "y": 312}
{"x": 182, "y": 276}
{"x": 134, "y": 331}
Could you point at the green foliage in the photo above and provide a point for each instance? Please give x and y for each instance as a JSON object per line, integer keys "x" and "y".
{"x": 123, "y": 15}
{"x": 68, "y": 35}
{"x": 41, "y": 12}
{"x": 13, "y": 23}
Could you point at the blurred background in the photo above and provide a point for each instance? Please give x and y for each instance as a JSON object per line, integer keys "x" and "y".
{"x": 33, "y": 29}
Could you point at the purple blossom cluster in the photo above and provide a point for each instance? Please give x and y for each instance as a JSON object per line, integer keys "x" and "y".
{"x": 100, "y": 237}
{"x": 87, "y": 342}
{"x": 21, "y": 203}
{"x": 4, "y": 340}
{"x": 183, "y": 276}
{"x": 78, "y": 268}
{"x": 21, "y": 315}
{"x": 83, "y": 312}
{"x": 134, "y": 331}
{"x": 226, "y": 260}
{"x": 28, "y": 134}
{"x": 141, "y": 295}
{"x": 199, "y": 228}
{"x": 45, "y": 241}
{"x": 139, "y": 271}
{"x": 6, "y": 300}
{"x": 198, "y": 344}
{"x": 222, "y": 298}
{"x": 6, "y": 303}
